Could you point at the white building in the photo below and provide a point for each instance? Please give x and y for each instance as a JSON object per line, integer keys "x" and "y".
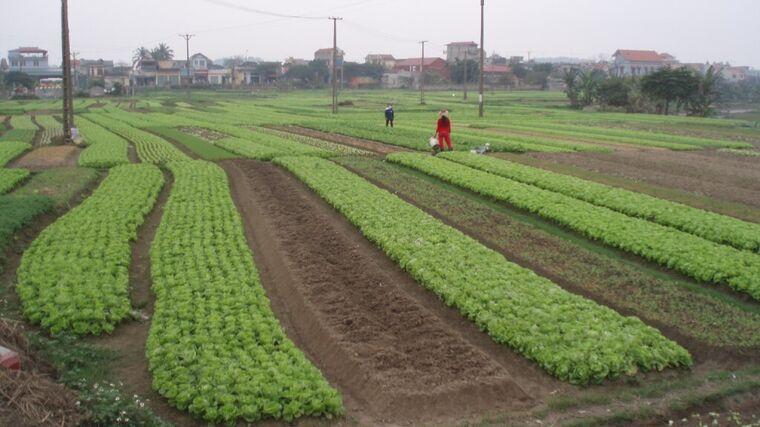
{"x": 639, "y": 62}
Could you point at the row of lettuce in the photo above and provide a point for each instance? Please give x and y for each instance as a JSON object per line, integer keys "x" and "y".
{"x": 215, "y": 347}
{"x": 687, "y": 253}
{"x": 571, "y": 337}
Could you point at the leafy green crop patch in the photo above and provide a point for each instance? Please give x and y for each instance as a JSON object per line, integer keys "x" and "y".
{"x": 204, "y": 149}
{"x": 9, "y": 150}
{"x": 105, "y": 149}
{"x": 215, "y": 347}
{"x": 16, "y": 212}
{"x": 715, "y": 227}
{"x": 75, "y": 276}
{"x": 9, "y": 178}
{"x": 150, "y": 148}
{"x": 571, "y": 337}
{"x": 694, "y": 256}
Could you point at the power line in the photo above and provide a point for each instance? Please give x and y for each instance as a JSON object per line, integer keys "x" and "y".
{"x": 260, "y": 11}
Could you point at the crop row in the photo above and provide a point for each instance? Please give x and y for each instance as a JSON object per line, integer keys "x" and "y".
{"x": 570, "y": 336}
{"x": 150, "y": 148}
{"x": 23, "y": 129}
{"x": 51, "y": 128}
{"x": 319, "y": 143}
{"x": 711, "y": 226}
{"x": 9, "y": 150}
{"x": 740, "y": 152}
{"x": 75, "y": 275}
{"x": 105, "y": 149}
{"x": 215, "y": 347}
{"x": 651, "y": 139}
{"x": 416, "y": 138}
{"x": 10, "y": 177}
{"x": 691, "y": 255}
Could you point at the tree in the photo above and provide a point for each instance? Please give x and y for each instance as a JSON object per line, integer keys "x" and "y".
{"x": 539, "y": 75}
{"x": 588, "y": 86}
{"x": 614, "y": 91}
{"x": 571, "y": 87}
{"x": 140, "y": 53}
{"x": 669, "y": 85}
{"x": 353, "y": 69}
{"x": 706, "y": 94}
{"x": 18, "y": 78}
{"x": 162, "y": 52}
{"x": 456, "y": 71}
{"x": 519, "y": 71}
{"x": 314, "y": 73}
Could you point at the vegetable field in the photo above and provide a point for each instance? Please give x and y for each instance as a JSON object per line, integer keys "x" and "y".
{"x": 250, "y": 257}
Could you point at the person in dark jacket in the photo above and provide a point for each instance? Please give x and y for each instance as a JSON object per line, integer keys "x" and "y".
{"x": 389, "y": 115}
{"x": 443, "y": 130}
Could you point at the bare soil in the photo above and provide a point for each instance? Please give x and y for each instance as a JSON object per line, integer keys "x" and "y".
{"x": 395, "y": 352}
{"x": 43, "y": 158}
{"x": 364, "y": 144}
{"x": 710, "y": 173}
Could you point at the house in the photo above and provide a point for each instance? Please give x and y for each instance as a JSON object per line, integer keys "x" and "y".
{"x": 497, "y": 74}
{"x": 458, "y": 51}
{"x": 326, "y": 55}
{"x": 734, "y": 74}
{"x": 386, "y": 60}
{"x": 32, "y": 61}
{"x": 431, "y": 65}
{"x": 93, "y": 68}
{"x": 639, "y": 62}
{"x": 169, "y": 72}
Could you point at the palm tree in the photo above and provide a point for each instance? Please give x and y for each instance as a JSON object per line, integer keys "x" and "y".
{"x": 162, "y": 52}
{"x": 140, "y": 53}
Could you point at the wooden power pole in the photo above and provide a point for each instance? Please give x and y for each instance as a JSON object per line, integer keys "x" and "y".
{"x": 422, "y": 74}
{"x": 482, "y": 57}
{"x": 68, "y": 104}
{"x": 334, "y": 63}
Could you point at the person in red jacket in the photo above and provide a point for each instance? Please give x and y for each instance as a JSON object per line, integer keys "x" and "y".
{"x": 443, "y": 131}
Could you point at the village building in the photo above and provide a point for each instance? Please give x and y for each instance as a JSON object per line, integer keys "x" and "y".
{"x": 628, "y": 63}
{"x": 32, "y": 61}
{"x": 432, "y": 65}
{"x": 326, "y": 55}
{"x": 386, "y": 60}
{"x": 458, "y": 51}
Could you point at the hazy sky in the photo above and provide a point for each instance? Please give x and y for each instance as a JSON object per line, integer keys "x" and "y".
{"x": 692, "y": 30}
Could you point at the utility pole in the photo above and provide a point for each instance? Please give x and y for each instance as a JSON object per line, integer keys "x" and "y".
{"x": 465, "y": 73}
{"x": 482, "y": 56}
{"x": 76, "y": 74}
{"x": 334, "y": 62}
{"x": 187, "y": 38}
{"x": 422, "y": 74}
{"x": 68, "y": 110}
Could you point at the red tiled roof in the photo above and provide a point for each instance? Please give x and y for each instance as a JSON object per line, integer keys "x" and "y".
{"x": 31, "y": 50}
{"x": 496, "y": 69}
{"x": 462, "y": 44}
{"x": 414, "y": 62}
{"x": 639, "y": 55}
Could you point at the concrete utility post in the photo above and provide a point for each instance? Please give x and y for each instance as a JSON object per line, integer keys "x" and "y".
{"x": 187, "y": 38}
{"x": 465, "y": 74}
{"x": 422, "y": 74}
{"x": 482, "y": 56}
{"x": 68, "y": 104}
{"x": 334, "y": 63}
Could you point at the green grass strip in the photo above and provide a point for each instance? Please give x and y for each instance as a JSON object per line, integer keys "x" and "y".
{"x": 16, "y": 212}
{"x": 571, "y": 337}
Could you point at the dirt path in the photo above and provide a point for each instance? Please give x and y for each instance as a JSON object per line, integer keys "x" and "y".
{"x": 43, "y": 158}
{"x": 708, "y": 173}
{"x": 395, "y": 352}
{"x": 129, "y": 338}
{"x": 364, "y": 144}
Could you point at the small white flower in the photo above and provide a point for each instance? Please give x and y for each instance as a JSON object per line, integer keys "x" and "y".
{"x": 117, "y": 398}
